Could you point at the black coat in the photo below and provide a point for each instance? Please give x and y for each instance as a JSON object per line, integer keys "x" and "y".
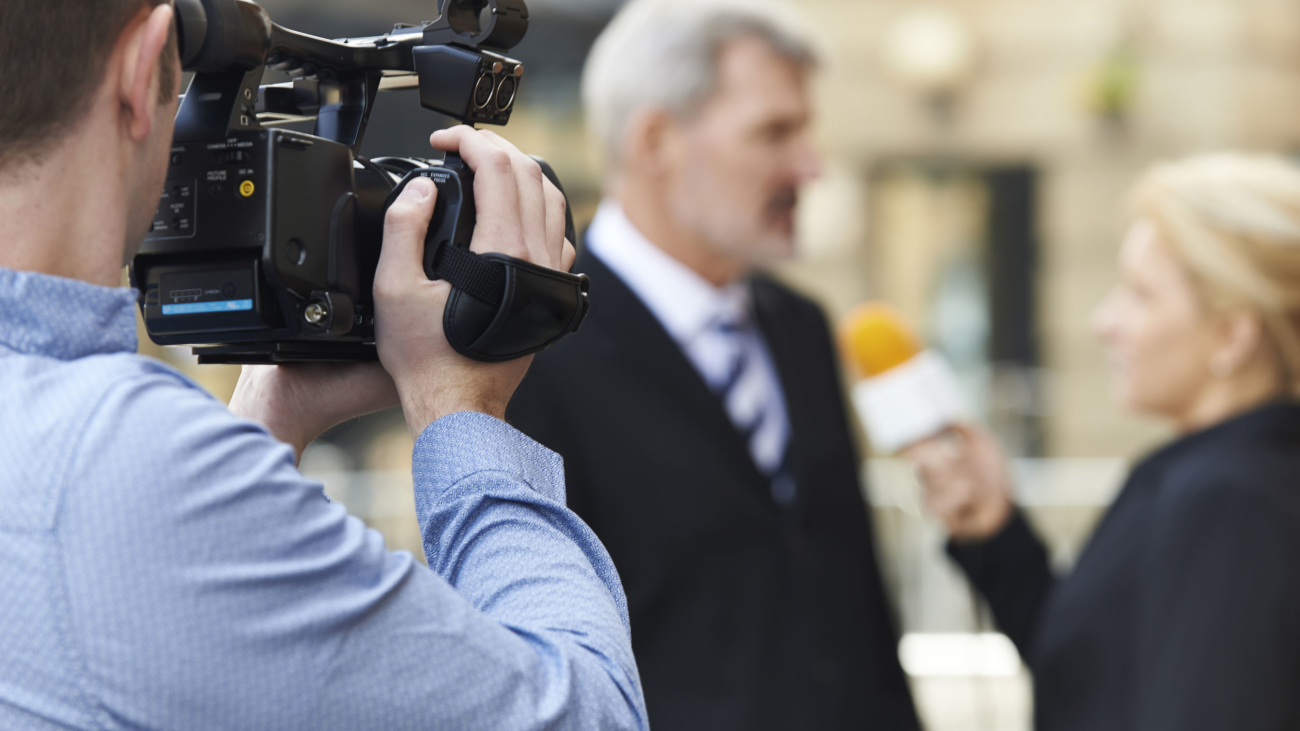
{"x": 744, "y": 615}
{"x": 1183, "y": 613}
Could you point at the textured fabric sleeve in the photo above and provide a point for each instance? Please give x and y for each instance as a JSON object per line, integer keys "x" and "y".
{"x": 538, "y": 411}
{"x": 1218, "y": 630}
{"x": 1011, "y": 570}
{"x": 212, "y": 586}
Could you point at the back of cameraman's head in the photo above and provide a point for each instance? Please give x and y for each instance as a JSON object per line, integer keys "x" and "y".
{"x": 663, "y": 54}
{"x": 53, "y": 54}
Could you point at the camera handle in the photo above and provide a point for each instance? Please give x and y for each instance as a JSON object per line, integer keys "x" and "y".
{"x": 501, "y": 308}
{"x": 534, "y": 306}
{"x": 346, "y": 101}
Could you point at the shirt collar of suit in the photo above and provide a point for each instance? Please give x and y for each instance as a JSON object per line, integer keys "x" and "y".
{"x": 685, "y": 303}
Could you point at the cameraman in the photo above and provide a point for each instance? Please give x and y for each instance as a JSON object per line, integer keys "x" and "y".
{"x": 162, "y": 562}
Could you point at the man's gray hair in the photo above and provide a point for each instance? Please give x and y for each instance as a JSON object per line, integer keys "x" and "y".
{"x": 662, "y": 54}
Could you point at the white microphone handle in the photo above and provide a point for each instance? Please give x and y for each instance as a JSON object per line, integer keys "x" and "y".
{"x": 910, "y": 402}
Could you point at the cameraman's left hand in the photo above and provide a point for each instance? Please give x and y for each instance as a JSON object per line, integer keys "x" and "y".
{"x": 298, "y": 402}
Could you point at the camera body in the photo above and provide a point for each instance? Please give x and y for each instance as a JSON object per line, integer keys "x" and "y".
{"x": 265, "y": 242}
{"x": 251, "y": 231}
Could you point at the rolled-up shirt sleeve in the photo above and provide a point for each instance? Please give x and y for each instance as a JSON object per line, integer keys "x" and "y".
{"x": 208, "y": 584}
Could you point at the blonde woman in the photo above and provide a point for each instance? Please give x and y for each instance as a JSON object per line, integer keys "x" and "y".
{"x": 1184, "y": 610}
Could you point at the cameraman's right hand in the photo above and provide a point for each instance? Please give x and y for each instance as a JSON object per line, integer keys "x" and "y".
{"x": 963, "y": 473}
{"x": 520, "y": 214}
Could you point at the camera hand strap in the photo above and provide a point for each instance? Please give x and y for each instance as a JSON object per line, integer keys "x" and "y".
{"x": 465, "y": 271}
{"x": 502, "y": 308}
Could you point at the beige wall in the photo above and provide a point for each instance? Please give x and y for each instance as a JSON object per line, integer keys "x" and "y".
{"x": 1211, "y": 74}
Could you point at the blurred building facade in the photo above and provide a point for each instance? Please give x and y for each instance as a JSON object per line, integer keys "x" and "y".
{"x": 1082, "y": 95}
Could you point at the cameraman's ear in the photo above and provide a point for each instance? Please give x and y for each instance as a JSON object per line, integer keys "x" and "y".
{"x": 140, "y": 49}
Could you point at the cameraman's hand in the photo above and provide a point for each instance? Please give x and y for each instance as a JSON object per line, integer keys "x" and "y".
{"x": 520, "y": 214}
{"x": 967, "y": 485}
{"x": 298, "y": 402}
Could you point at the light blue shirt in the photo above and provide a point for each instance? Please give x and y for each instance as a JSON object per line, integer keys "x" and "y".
{"x": 163, "y": 564}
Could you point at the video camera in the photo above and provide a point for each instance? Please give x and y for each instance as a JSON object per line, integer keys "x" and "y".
{"x": 265, "y": 242}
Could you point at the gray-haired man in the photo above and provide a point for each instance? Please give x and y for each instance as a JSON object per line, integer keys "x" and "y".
{"x": 699, "y": 411}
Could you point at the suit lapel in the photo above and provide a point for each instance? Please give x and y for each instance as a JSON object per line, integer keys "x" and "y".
{"x": 635, "y": 340}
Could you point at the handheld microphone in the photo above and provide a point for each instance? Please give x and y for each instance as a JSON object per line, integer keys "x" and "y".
{"x": 906, "y": 393}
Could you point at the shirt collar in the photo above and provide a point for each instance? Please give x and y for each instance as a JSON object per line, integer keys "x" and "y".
{"x": 685, "y": 303}
{"x": 62, "y": 318}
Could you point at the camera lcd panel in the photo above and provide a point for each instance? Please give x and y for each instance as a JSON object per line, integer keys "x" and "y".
{"x": 202, "y": 292}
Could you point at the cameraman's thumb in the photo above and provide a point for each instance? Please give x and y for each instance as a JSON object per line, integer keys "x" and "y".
{"x": 405, "y": 226}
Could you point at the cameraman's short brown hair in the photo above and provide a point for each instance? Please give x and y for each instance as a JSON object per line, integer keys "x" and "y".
{"x": 53, "y": 54}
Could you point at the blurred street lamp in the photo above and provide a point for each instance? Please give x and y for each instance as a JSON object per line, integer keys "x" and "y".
{"x": 931, "y": 50}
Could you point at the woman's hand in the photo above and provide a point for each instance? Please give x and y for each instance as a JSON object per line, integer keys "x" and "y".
{"x": 963, "y": 473}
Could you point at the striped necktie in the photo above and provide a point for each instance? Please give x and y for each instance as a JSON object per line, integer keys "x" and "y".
{"x": 751, "y": 395}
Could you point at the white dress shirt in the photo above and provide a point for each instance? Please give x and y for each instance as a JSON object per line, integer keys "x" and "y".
{"x": 691, "y": 308}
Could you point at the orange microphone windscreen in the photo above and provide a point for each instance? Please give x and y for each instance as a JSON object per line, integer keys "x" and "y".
{"x": 876, "y": 338}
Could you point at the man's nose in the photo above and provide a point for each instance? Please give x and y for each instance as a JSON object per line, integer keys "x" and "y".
{"x": 1102, "y": 318}
{"x": 807, "y": 162}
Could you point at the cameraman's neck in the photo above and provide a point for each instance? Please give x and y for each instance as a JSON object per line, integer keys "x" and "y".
{"x": 653, "y": 217}
{"x": 66, "y": 214}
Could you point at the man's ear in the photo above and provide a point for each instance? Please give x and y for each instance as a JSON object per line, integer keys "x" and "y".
{"x": 651, "y": 143}
{"x": 140, "y": 50}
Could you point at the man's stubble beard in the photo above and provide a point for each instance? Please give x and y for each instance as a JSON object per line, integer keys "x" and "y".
{"x": 713, "y": 221}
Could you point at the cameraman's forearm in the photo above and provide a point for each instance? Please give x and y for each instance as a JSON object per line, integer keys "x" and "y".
{"x": 448, "y": 383}
{"x": 421, "y": 410}
{"x": 490, "y": 503}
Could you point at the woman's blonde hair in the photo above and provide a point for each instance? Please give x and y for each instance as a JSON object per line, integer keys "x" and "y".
{"x": 1234, "y": 221}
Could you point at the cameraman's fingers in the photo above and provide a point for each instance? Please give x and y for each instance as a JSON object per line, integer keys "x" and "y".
{"x": 405, "y": 225}
{"x": 556, "y": 242}
{"x": 545, "y": 245}
{"x": 496, "y": 194}
{"x": 567, "y": 259}
{"x": 532, "y": 199}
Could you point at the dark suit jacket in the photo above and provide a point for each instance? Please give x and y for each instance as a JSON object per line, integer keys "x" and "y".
{"x": 1183, "y": 613}
{"x": 744, "y": 615}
